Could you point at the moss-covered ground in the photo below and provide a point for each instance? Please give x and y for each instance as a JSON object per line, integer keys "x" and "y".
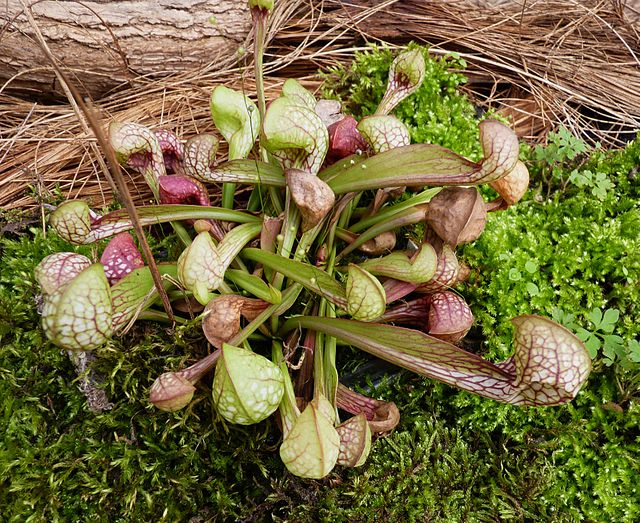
{"x": 570, "y": 250}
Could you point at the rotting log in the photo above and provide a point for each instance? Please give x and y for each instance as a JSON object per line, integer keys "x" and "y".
{"x": 107, "y": 44}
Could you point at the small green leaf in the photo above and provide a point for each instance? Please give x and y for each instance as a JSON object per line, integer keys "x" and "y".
{"x": 261, "y": 4}
{"x": 595, "y": 317}
{"x": 609, "y": 320}
{"x": 634, "y": 351}
{"x": 593, "y": 344}
{"x": 583, "y": 334}
{"x": 613, "y": 344}
{"x": 564, "y": 318}
{"x": 531, "y": 267}
{"x": 612, "y": 347}
{"x": 599, "y": 192}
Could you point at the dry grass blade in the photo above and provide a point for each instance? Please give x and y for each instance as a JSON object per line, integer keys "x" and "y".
{"x": 570, "y": 62}
{"x": 112, "y": 170}
{"x": 544, "y": 63}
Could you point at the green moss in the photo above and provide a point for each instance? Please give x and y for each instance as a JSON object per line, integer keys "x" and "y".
{"x": 61, "y": 462}
{"x": 436, "y": 113}
{"x": 569, "y": 252}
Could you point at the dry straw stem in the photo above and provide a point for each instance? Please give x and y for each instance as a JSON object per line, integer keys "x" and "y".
{"x": 112, "y": 173}
{"x": 545, "y": 63}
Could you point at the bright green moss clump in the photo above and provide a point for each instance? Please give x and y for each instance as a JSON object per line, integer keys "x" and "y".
{"x": 436, "y": 113}
{"x": 61, "y": 462}
{"x": 457, "y": 457}
{"x": 569, "y": 253}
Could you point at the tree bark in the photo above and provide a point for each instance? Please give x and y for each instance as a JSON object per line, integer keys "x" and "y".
{"x": 108, "y": 43}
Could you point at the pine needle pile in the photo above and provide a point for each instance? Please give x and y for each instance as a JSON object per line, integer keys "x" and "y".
{"x": 542, "y": 63}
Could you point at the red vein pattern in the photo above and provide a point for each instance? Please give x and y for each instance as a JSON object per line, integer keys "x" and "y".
{"x": 296, "y": 136}
{"x": 78, "y": 316}
{"x": 58, "y": 269}
{"x": 384, "y": 132}
{"x": 551, "y": 364}
{"x": 405, "y": 76}
{"x": 450, "y": 318}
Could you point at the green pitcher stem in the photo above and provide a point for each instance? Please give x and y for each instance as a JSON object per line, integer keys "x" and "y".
{"x": 153, "y": 315}
{"x": 331, "y": 247}
{"x": 260, "y": 26}
{"x": 318, "y": 356}
{"x": 409, "y": 216}
{"x": 289, "y": 233}
{"x": 228, "y": 194}
{"x": 386, "y": 213}
{"x": 181, "y": 233}
{"x": 324, "y": 370}
{"x": 288, "y": 409}
{"x": 330, "y": 374}
{"x": 329, "y": 364}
